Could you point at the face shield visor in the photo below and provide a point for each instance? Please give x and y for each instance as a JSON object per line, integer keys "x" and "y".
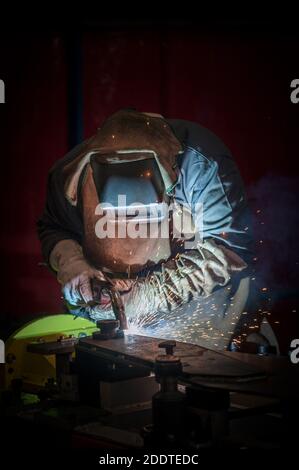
{"x": 125, "y": 209}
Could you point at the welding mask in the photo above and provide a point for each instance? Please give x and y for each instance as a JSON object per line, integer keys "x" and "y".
{"x": 125, "y": 213}
{"x": 113, "y": 169}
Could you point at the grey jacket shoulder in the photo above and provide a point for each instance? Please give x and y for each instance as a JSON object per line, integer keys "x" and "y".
{"x": 200, "y": 138}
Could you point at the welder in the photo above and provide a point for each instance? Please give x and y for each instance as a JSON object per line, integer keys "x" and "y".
{"x": 151, "y": 172}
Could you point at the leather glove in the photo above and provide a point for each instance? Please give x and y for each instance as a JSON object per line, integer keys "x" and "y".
{"x": 74, "y": 273}
{"x": 189, "y": 275}
{"x": 104, "y": 310}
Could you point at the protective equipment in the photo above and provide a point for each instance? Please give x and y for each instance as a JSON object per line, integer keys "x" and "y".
{"x": 73, "y": 272}
{"x": 126, "y": 130}
{"x": 80, "y": 282}
{"x": 124, "y": 213}
{"x": 189, "y": 275}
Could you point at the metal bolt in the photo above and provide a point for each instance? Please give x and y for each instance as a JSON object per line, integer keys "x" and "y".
{"x": 168, "y": 346}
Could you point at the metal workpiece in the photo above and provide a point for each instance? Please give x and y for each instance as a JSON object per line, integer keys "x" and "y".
{"x": 196, "y": 361}
{"x": 63, "y": 345}
{"x": 201, "y": 367}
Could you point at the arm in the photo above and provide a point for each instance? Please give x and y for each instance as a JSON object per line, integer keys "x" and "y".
{"x": 190, "y": 275}
{"x": 221, "y": 253}
{"x": 226, "y": 216}
{"x": 60, "y": 231}
{"x": 59, "y": 220}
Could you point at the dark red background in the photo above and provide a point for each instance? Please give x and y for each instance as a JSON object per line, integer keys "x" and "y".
{"x": 236, "y": 84}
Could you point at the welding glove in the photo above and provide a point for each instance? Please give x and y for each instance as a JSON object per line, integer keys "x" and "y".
{"x": 104, "y": 310}
{"x": 189, "y": 275}
{"x": 74, "y": 273}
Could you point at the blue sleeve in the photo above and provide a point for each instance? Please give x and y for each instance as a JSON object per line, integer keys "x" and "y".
{"x": 217, "y": 185}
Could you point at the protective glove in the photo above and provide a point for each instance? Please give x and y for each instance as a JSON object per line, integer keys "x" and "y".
{"x": 103, "y": 310}
{"x": 189, "y": 275}
{"x": 93, "y": 312}
{"x": 74, "y": 273}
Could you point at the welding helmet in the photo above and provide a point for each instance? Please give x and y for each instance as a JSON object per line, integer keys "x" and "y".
{"x": 125, "y": 214}
{"x": 121, "y": 182}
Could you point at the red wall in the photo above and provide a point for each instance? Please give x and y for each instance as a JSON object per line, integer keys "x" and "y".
{"x": 33, "y": 135}
{"x": 237, "y": 85}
